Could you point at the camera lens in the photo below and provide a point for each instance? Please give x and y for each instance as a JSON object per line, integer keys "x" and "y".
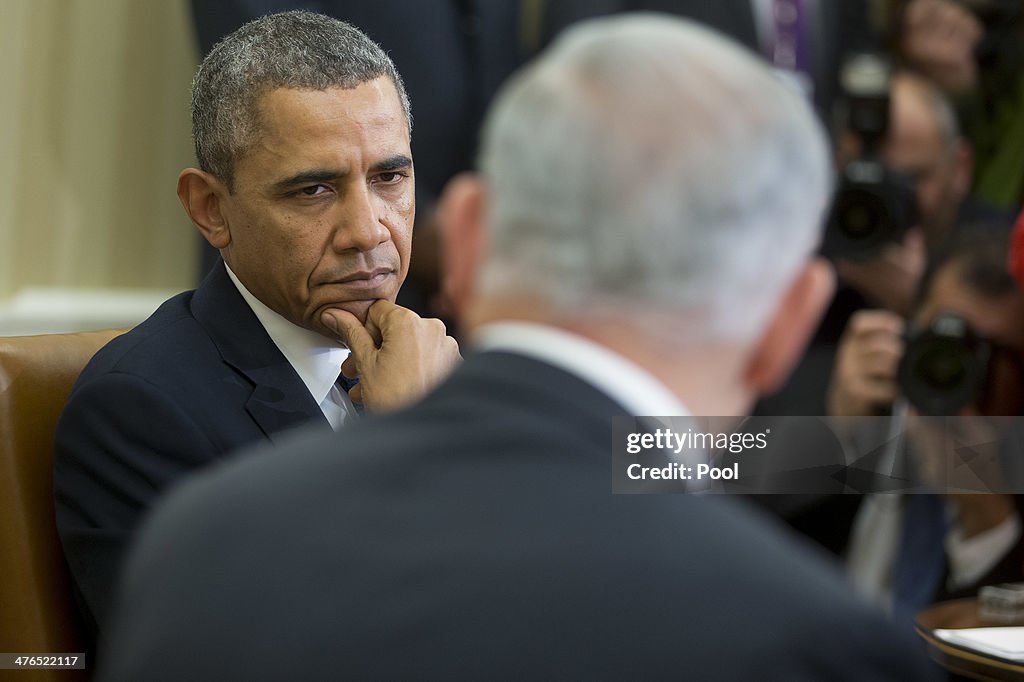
{"x": 859, "y": 213}
{"x": 874, "y": 206}
{"x": 942, "y": 366}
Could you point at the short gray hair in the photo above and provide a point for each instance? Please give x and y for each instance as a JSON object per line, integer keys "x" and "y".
{"x": 647, "y": 161}
{"x": 300, "y": 50}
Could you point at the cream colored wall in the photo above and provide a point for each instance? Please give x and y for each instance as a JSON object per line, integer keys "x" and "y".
{"x": 94, "y": 129}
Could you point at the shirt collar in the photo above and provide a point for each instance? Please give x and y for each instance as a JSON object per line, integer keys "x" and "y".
{"x": 315, "y": 358}
{"x": 629, "y": 384}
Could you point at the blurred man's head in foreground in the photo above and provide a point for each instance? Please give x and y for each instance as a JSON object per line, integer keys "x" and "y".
{"x": 649, "y": 173}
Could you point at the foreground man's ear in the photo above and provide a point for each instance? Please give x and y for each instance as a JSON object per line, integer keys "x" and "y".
{"x": 460, "y": 214}
{"x": 790, "y": 328}
{"x": 200, "y": 194}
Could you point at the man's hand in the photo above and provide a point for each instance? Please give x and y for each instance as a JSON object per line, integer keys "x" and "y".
{"x": 864, "y": 378}
{"x": 939, "y": 38}
{"x": 890, "y": 280}
{"x": 982, "y": 512}
{"x": 397, "y": 356}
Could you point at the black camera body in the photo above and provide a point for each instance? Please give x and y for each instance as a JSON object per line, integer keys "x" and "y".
{"x": 945, "y": 366}
{"x": 874, "y": 205}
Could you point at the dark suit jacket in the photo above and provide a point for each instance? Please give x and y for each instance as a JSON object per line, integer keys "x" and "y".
{"x": 475, "y": 536}
{"x": 196, "y": 380}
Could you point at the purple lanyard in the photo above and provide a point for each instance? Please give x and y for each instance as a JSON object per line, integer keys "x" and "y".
{"x": 789, "y": 47}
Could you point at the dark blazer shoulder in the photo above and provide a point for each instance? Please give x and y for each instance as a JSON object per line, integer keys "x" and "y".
{"x": 171, "y": 325}
{"x": 207, "y": 352}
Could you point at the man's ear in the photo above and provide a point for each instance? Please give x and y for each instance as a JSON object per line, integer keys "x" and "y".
{"x": 201, "y": 194}
{"x": 461, "y": 211}
{"x": 790, "y": 328}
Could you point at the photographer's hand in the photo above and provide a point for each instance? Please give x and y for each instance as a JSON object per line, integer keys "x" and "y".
{"x": 864, "y": 377}
{"x": 890, "y": 280}
{"x": 939, "y": 38}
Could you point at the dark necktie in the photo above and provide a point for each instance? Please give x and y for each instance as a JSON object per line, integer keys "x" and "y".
{"x": 921, "y": 559}
{"x": 346, "y": 385}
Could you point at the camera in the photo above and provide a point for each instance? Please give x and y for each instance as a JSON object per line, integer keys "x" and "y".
{"x": 874, "y": 205}
{"x": 945, "y": 366}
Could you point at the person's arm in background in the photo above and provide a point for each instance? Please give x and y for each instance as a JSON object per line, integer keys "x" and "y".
{"x": 984, "y": 547}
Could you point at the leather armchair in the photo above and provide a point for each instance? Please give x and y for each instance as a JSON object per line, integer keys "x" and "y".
{"x": 37, "y": 607}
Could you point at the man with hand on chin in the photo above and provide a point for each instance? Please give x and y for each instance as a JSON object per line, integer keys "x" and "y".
{"x": 305, "y": 185}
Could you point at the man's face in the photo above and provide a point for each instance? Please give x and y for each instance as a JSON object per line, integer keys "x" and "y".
{"x": 322, "y": 210}
{"x": 916, "y": 145}
{"x": 999, "y": 319}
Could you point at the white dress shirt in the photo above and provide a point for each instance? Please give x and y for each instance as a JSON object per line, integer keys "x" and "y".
{"x": 314, "y": 357}
{"x": 874, "y": 545}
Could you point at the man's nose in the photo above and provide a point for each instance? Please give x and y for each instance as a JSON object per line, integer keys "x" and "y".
{"x": 359, "y": 226}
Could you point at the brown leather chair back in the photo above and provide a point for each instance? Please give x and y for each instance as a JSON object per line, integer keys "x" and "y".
{"x": 37, "y": 608}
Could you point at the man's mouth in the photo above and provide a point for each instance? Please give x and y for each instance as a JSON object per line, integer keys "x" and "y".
{"x": 365, "y": 279}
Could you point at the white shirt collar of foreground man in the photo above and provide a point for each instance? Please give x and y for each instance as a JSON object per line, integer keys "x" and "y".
{"x": 315, "y": 358}
{"x": 632, "y": 386}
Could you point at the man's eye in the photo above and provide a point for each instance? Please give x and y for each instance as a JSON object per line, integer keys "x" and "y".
{"x": 313, "y": 190}
{"x": 390, "y": 178}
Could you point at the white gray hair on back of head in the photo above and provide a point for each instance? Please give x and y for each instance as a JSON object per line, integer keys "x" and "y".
{"x": 646, "y": 162}
{"x": 298, "y": 49}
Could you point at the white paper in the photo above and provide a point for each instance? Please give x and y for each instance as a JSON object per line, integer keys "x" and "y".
{"x": 1007, "y": 642}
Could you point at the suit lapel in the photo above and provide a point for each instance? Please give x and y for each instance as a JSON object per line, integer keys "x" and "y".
{"x": 279, "y": 403}
{"x": 279, "y": 400}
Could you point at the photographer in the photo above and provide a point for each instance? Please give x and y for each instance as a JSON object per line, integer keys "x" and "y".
{"x": 923, "y": 146}
{"x": 974, "y": 51}
{"x": 976, "y": 538}
{"x": 917, "y": 138}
